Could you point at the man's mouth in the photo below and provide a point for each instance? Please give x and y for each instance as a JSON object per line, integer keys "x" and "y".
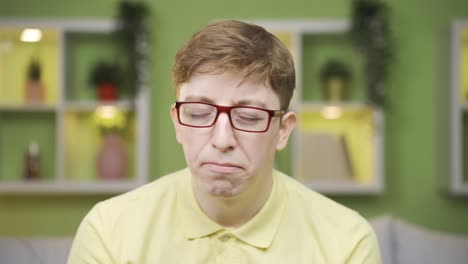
{"x": 222, "y": 167}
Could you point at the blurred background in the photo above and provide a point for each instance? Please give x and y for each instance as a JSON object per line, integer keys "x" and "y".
{"x": 55, "y": 118}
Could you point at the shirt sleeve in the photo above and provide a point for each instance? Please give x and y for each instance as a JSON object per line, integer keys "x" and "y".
{"x": 366, "y": 250}
{"x": 89, "y": 245}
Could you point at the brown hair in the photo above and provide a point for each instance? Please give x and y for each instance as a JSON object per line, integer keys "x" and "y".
{"x": 238, "y": 46}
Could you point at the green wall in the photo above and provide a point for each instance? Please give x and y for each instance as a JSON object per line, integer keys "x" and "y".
{"x": 416, "y": 119}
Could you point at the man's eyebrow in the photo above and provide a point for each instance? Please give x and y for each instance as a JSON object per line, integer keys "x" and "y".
{"x": 251, "y": 103}
{"x": 203, "y": 99}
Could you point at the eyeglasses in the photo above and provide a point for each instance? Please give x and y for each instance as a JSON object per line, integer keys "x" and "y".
{"x": 243, "y": 118}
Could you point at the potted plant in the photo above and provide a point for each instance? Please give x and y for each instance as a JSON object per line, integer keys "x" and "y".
{"x": 106, "y": 78}
{"x": 335, "y": 77}
{"x": 370, "y": 32}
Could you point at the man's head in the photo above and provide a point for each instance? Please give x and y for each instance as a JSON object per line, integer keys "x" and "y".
{"x": 242, "y": 47}
{"x": 233, "y": 81}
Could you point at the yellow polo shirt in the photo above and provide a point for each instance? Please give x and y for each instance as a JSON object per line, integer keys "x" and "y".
{"x": 161, "y": 222}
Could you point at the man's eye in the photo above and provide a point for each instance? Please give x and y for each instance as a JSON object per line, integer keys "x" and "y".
{"x": 249, "y": 119}
{"x": 199, "y": 115}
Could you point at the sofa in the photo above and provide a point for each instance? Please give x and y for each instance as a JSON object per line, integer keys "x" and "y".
{"x": 400, "y": 243}
{"x": 37, "y": 250}
{"x": 404, "y": 243}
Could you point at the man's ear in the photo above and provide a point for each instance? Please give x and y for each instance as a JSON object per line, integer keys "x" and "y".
{"x": 175, "y": 122}
{"x": 287, "y": 125}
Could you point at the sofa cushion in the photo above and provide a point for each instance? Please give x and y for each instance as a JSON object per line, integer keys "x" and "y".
{"x": 34, "y": 250}
{"x": 383, "y": 227}
{"x": 419, "y": 245}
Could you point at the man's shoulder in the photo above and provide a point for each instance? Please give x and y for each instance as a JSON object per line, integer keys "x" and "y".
{"x": 321, "y": 209}
{"x": 149, "y": 194}
{"x": 342, "y": 233}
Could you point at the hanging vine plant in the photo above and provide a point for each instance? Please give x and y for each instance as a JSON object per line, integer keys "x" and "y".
{"x": 370, "y": 34}
{"x": 133, "y": 36}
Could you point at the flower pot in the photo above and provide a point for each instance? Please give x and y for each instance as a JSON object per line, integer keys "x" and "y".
{"x": 34, "y": 92}
{"x": 34, "y": 88}
{"x": 335, "y": 90}
{"x": 112, "y": 158}
{"x": 107, "y": 91}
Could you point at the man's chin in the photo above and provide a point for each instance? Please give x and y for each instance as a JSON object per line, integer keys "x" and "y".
{"x": 222, "y": 189}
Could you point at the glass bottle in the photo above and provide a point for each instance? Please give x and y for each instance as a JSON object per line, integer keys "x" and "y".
{"x": 32, "y": 162}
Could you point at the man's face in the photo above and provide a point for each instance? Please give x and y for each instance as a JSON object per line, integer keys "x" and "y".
{"x": 224, "y": 161}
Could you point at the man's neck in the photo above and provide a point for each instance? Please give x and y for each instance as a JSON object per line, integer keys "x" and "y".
{"x": 234, "y": 211}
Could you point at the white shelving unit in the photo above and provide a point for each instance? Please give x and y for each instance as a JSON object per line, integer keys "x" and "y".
{"x": 60, "y": 182}
{"x": 458, "y": 182}
{"x": 85, "y": 106}
{"x": 297, "y": 30}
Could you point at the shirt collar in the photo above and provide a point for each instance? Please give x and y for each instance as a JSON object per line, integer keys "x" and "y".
{"x": 261, "y": 229}
{"x": 258, "y": 231}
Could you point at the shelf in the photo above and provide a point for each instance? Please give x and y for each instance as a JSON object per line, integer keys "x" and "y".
{"x": 460, "y": 189}
{"x": 66, "y": 124}
{"x": 60, "y": 188}
{"x": 15, "y": 59}
{"x": 457, "y": 183}
{"x": 84, "y": 50}
{"x": 74, "y": 25}
{"x": 17, "y": 130}
{"x": 86, "y": 106}
{"x": 318, "y": 51}
{"x": 347, "y": 105}
{"x": 346, "y": 188}
{"x": 83, "y": 139}
{"x": 464, "y": 107}
{"x": 27, "y": 108}
{"x": 337, "y": 147}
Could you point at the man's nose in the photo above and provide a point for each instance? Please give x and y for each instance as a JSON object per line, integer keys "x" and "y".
{"x": 223, "y": 136}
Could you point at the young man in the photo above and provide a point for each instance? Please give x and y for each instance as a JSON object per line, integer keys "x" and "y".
{"x": 233, "y": 83}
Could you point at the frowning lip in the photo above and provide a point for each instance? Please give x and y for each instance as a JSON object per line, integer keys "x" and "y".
{"x": 224, "y": 167}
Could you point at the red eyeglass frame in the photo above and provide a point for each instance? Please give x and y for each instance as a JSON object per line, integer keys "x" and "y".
{"x": 227, "y": 109}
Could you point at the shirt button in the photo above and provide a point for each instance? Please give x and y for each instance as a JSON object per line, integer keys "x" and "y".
{"x": 225, "y": 237}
